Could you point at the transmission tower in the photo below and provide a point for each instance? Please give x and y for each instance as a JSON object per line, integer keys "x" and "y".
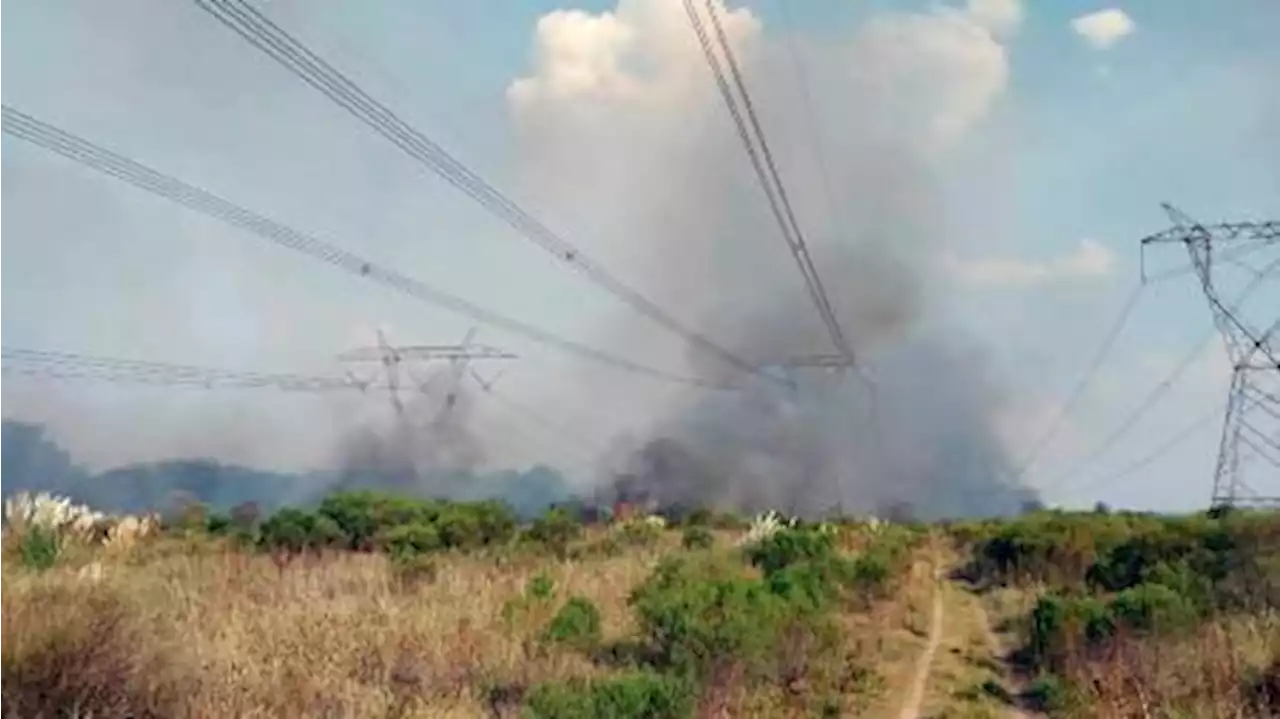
{"x": 1249, "y": 447}
{"x": 396, "y": 358}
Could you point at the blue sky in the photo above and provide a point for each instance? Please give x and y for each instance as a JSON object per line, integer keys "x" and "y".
{"x": 1061, "y": 141}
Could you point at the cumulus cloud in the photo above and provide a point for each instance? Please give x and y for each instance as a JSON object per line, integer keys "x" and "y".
{"x": 1103, "y": 28}
{"x": 1001, "y": 17}
{"x": 1090, "y": 260}
{"x": 640, "y": 53}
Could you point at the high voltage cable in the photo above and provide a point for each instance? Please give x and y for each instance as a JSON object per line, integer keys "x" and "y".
{"x": 1164, "y": 448}
{"x": 24, "y": 127}
{"x": 806, "y": 104}
{"x": 1078, "y": 391}
{"x": 71, "y": 366}
{"x": 766, "y": 172}
{"x": 1160, "y": 390}
{"x": 294, "y": 56}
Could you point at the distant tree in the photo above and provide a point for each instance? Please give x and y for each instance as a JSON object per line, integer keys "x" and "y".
{"x": 1101, "y": 508}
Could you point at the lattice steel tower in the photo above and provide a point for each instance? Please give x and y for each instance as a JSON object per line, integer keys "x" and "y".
{"x": 1247, "y": 471}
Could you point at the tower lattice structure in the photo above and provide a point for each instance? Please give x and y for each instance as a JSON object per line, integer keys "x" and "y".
{"x": 1247, "y": 470}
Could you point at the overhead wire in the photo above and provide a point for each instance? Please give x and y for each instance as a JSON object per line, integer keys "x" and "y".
{"x": 262, "y": 33}
{"x": 763, "y": 165}
{"x": 815, "y": 134}
{"x": 1082, "y": 385}
{"x": 45, "y": 364}
{"x": 1158, "y": 392}
{"x": 25, "y": 127}
{"x": 1162, "y": 449}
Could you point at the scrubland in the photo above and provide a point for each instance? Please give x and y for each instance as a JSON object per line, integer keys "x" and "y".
{"x": 376, "y": 605}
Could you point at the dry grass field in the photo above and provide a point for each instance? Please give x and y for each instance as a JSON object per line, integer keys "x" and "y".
{"x": 195, "y": 627}
{"x": 433, "y": 617}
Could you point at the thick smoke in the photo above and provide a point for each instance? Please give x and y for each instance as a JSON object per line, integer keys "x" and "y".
{"x": 621, "y": 113}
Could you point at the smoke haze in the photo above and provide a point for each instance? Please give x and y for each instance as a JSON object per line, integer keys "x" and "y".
{"x": 623, "y": 116}
{"x": 618, "y": 133}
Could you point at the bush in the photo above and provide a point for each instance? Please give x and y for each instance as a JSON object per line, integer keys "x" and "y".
{"x": 1152, "y": 608}
{"x": 1049, "y": 693}
{"x": 217, "y": 523}
{"x": 576, "y": 625}
{"x": 409, "y": 540}
{"x": 555, "y": 530}
{"x": 789, "y": 546}
{"x": 642, "y": 695}
{"x": 639, "y": 532}
{"x": 294, "y": 531}
{"x": 469, "y": 525}
{"x": 363, "y": 515}
{"x": 697, "y": 537}
{"x": 1058, "y": 624}
{"x": 702, "y": 617}
{"x": 39, "y": 547}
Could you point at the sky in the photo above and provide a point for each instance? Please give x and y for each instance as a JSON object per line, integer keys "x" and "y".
{"x": 1035, "y": 142}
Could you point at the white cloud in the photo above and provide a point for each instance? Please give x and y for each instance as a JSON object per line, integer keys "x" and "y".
{"x": 641, "y": 52}
{"x": 1103, "y": 28}
{"x": 1001, "y": 17}
{"x": 1089, "y": 260}
{"x": 932, "y": 75}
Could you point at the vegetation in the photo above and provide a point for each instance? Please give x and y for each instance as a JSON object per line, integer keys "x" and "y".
{"x": 1139, "y": 613}
{"x": 374, "y": 604}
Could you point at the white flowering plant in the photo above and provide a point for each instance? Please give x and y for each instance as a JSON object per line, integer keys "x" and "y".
{"x": 44, "y": 524}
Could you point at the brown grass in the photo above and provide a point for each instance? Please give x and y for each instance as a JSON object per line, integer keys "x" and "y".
{"x": 184, "y": 629}
{"x": 1219, "y": 671}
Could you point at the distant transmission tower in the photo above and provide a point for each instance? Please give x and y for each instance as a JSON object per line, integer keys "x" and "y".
{"x": 395, "y": 358}
{"x": 1250, "y": 444}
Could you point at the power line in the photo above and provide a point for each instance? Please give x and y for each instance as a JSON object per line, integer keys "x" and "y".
{"x": 1162, "y": 449}
{"x": 766, "y": 172}
{"x": 22, "y": 126}
{"x": 44, "y": 364}
{"x": 294, "y": 56}
{"x": 807, "y": 105}
{"x": 1078, "y": 391}
{"x": 1162, "y": 388}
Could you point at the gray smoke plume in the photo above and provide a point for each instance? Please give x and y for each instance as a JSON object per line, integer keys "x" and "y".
{"x": 620, "y": 114}
{"x": 424, "y": 439}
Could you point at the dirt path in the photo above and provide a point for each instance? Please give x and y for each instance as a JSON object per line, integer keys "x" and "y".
{"x": 915, "y": 698}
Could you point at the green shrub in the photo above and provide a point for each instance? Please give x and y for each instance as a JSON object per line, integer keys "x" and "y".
{"x": 39, "y": 547}
{"x": 363, "y": 515}
{"x": 468, "y": 525}
{"x": 790, "y": 546}
{"x": 540, "y": 587}
{"x": 296, "y": 530}
{"x": 555, "y": 530}
{"x": 576, "y": 625}
{"x": 1049, "y": 693}
{"x": 697, "y": 537}
{"x": 699, "y": 617}
{"x": 408, "y": 540}
{"x": 639, "y": 533}
{"x": 217, "y": 523}
{"x": 1058, "y": 624}
{"x": 1152, "y": 608}
{"x": 641, "y": 695}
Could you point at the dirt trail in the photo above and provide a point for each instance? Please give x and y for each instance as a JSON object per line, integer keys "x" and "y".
{"x": 915, "y": 698}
